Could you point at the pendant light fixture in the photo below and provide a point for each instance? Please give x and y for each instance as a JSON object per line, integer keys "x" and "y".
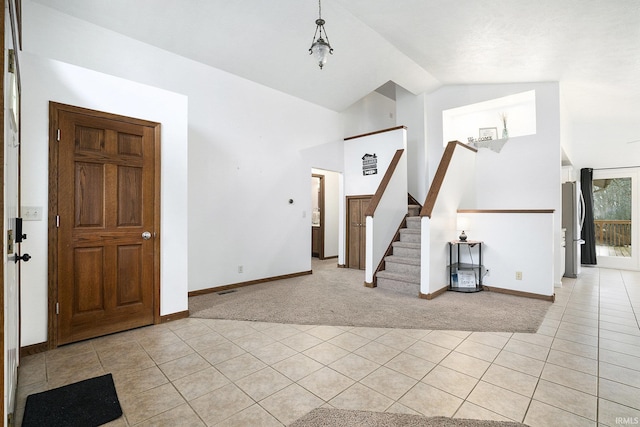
{"x": 320, "y": 49}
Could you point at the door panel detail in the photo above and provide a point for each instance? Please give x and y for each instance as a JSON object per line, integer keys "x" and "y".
{"x": 129, "y": 275}
{"x": 129, "y": 191}
{"x": 89, "y": 139}
{"x": 89, "y": 195}
{"x": 88, "y": 280}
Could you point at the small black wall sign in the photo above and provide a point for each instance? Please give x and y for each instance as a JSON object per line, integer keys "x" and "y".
{"x": 369, "y": 164}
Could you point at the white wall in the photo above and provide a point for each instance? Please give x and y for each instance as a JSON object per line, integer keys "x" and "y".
{"x": 596, "y": 136}
{"x": 526, "y": 174}
{"x": 246, "y": 154}
{"x": 376, "y": 111}
{"x": 517, "y": 110}
{"x": 384, "y": 145}
{"x": 440, "y": 228}
{"x": 411, "y": 112}
{"x": 515, "y": 242}
{"x": 47, "y": 80}
{"x": 371, "y": 113}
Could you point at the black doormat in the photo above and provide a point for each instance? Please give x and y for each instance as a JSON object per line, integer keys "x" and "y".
{"x": 88, "y": 403}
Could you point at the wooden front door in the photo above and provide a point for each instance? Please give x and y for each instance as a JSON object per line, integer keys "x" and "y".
{"x": 356, "y": 238}
{"x": 106, "y": 222}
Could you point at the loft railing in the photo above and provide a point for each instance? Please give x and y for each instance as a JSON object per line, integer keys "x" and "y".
{"x": 610, "y": 232}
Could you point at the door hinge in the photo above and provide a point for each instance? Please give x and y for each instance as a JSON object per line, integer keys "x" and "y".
{"x": 57, "y": 221}
{"x": 57, "y": 308}
{"x": 58, "y": 135}
{"x": 12, "y": 61}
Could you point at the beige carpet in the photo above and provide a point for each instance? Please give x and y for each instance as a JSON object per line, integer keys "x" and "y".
{"x": 325, "y": 417}
{"x": 336, "y": 296}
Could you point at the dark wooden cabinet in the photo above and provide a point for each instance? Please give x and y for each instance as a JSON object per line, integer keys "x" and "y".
{"x": 356, "y": 231}
{"x": 315, "y": 241}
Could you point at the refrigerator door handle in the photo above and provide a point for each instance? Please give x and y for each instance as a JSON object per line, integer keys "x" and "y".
{"x": 582, "y": 210}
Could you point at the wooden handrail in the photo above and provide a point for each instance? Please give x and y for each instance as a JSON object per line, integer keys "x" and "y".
{"x": 438, "y": 178}
{"x": 373, "y": 204}
{"x": 374, "y": 133}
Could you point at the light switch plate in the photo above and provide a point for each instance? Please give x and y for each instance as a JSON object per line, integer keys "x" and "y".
{"x": 31, "y": 213}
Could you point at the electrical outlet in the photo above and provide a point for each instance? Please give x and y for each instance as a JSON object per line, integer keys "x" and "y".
{"x": 518, "y": 275}
{"x": 240, "y": 269}
{"x": 31, "y": 213}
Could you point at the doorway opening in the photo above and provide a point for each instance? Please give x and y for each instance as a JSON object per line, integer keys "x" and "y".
{"x": 317, "y": 216}
{"x": 325, "y": 213}
{"x": 615, "y": 213}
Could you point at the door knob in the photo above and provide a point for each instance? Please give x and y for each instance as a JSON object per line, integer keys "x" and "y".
{"x": 25, "y": 258}
{"x": 146, "y": 235}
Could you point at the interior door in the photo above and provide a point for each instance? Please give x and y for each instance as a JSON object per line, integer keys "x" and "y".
{"x": 106, "y": 223}
{"x": 356, "y": 249}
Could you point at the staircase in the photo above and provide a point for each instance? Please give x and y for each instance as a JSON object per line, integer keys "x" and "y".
{"x": 402, "y": 267}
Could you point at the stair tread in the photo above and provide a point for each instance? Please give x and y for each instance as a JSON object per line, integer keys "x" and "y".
{"x": 402, "y": 260}
{"x": 412, "y": 245}
{"x": 410, "y": 230}
{"x": 399, "y": 277}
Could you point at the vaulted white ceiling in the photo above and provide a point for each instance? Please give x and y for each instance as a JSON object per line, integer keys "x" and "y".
{"x": 592, "y": 47}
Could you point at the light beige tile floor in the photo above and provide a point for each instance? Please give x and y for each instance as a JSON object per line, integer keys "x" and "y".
{"x": 581, "y": 368}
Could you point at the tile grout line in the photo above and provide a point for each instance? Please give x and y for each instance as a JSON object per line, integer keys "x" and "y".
{"x": 564, "y": 308}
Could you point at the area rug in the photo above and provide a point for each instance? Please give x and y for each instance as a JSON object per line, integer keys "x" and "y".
{"x": 326, "y": 417}
{"x": 88, "y": 403}
{"x": 336, "y": 297}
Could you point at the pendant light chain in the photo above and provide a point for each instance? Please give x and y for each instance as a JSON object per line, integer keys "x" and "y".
{"x": 322, "y": 29}
{"x": 319, "y": 47}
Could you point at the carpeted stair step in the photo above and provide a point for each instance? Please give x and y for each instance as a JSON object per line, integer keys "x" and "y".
{"x": 414, "y": 210}
{"x": 406, "y": 249}
{"x": 413, "y": 222}
{"x": 398, "y": 283}
{"x": 401, "y": 265}
{"x": 410, "y": 235}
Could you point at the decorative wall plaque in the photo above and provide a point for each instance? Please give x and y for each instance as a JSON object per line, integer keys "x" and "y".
{"x": 369, "y": 164}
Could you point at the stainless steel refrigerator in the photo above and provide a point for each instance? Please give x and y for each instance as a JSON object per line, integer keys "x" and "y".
{"x": 572, "y": 220}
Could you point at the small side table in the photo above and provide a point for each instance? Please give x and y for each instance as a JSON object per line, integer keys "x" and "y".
{"x": 465, "y": 277}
